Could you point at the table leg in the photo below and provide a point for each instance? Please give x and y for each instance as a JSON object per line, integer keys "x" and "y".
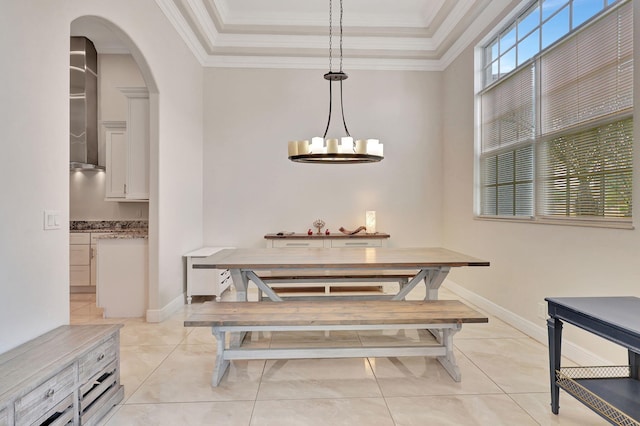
{"x": 240, "y": 282}
{"x": 433, "y": 281}
{"x": 634, "y": 365}
{"x": 554, "y": 327}
{"x": 262, "y": 286}
{"x": 410, "y": 285}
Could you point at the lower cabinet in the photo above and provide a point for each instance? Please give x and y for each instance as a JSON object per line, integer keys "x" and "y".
{"x": 69, "y": 376}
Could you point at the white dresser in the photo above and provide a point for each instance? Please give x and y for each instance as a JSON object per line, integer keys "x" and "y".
{"x": 205, "y": 282}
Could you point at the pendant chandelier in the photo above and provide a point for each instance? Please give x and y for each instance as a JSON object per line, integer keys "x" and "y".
{"x": 331, "y": 151}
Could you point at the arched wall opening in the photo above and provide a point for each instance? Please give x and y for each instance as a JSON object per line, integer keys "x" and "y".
{"x": 116, "y": 40}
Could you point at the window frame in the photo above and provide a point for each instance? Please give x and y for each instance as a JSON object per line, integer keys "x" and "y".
{"x": 485, "y": 62}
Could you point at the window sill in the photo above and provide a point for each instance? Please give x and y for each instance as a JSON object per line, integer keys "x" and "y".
{"x": 589, "y": 223}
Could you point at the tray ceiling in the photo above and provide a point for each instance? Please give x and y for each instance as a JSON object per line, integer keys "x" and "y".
{"x": 378, "y": 34}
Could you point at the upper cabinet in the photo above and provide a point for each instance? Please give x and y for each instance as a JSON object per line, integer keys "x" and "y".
{"x": 127, "y": 150}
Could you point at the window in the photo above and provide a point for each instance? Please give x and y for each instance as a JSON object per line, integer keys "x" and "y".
{"x": 556, "y": 139}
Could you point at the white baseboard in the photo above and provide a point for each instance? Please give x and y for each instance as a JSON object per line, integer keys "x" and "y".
{"x": 537, "y": 332}
{"x": 159, "y": 315}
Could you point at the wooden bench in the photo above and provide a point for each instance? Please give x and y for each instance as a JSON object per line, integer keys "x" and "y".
{"x": 302, "y": 276}
{"x": 443, "y": 317}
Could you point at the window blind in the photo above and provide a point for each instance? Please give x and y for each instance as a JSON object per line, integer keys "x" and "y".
{"x": 586, "y": 140}
{"x": 590, "y": 74}
{"x": 508, "y": 132}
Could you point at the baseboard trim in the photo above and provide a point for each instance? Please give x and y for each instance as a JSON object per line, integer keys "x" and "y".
{"x": 159, "y": 315}
{"x": 572, "y": 351}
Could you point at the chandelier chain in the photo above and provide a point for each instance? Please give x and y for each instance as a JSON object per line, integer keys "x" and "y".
{"x": 330, "y": 34}
{"x": 341, "y": 11}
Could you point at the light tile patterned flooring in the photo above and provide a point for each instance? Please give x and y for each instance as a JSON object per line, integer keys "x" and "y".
{"x": 166, "y": 371}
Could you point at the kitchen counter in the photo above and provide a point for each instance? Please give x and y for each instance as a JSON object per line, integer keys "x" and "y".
{"x": 111, "y": 229}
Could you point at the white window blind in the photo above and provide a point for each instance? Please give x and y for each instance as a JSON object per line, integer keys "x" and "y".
{"x": 589, "y": 75}
{"x": 586, "y": 131}
{"x": 557, "y": 133}
{"x": 508, "y": 132}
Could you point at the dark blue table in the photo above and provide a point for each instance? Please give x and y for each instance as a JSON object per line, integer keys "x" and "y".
{"x": 617, "y": 319}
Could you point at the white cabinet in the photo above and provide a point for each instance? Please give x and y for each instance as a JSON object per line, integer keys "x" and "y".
{"x": 122, "y": 277}
{"x": 205, "y": 282}
{"x": 82, "y": 258}
{"x": 127, "y": 150}
{"x": 79, "y": 259}
{"x": 116, "y": 160}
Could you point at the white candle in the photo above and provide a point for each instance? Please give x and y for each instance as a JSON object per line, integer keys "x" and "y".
{"x": 361, "y": 146}
{"x": 293, "y": 148}
{"x": 332, "y": 146}
{"x": 346, "y": 145}
{"x": 317, "y": 145}
{"x": 303, "y": 147}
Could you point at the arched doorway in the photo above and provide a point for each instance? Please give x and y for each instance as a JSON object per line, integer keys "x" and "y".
{"x": 110, "y": 40}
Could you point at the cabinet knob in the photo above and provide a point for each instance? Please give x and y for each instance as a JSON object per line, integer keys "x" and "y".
{"x": 50, "y": 393}
{"x": 100, "y": 357}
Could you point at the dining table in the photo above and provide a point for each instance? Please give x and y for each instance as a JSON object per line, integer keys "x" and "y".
{"x": 431, "y": 265}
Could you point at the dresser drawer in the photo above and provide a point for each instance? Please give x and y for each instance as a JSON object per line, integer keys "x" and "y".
{"x": 97, "y": 359}
{"x": 45, "y": 397}
{"x": 356, "y": 243}
{"x": 298, "y": 243}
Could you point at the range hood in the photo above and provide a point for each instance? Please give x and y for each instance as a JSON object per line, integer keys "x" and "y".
{"x": 83, "y": 105}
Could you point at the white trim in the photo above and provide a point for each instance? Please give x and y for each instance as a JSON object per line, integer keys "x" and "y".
{"x": 109, "y": 124}
{"x": 365, "y": 43}
{"x": 282, "y": 62}
{"x": 202, "y": 16}
{"x": 570, "y": 350}
{"x": 159, "y": 315}
{"x": 172, "y": 13}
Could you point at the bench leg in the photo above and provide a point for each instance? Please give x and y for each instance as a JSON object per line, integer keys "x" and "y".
{"x": 221, "y": 364}
{"x": 449, "y": 360}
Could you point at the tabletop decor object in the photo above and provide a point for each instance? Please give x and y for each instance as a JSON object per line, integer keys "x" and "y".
{"x": 319, "y": 224}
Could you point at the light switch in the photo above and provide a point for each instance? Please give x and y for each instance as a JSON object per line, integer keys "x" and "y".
{"x": 51, "y": 219}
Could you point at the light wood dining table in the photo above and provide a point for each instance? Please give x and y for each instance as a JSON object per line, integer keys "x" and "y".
{"x": 432, "y": 264}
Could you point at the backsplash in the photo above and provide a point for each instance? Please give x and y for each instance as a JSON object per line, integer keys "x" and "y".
{"x": 84, "y": 225}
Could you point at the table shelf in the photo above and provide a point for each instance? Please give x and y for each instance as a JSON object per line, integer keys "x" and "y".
{"x": 607, "y": 390}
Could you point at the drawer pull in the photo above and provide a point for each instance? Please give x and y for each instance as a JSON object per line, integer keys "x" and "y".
{"x": 100, "y": 357}
{"x": 298, "y": 244}
{"x": 50, "y": 393}
{"x": 356, "y": 244}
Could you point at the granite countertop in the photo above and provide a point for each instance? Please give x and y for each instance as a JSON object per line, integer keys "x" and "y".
{"x": 112, "y": 229}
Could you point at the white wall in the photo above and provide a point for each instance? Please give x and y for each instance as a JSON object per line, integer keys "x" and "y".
{"x": 87, "y": 189}
{"x": 34, "y": 116}
{"x": 528, "y": 261}
{"x": 251, "y": 188}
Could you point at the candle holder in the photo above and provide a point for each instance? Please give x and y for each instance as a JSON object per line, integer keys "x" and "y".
{"x": 319, "y": 224}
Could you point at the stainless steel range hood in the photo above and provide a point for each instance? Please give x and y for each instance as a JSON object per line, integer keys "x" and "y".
{"x": 83, "y": 105}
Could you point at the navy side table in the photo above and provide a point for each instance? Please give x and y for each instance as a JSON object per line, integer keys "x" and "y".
{"x": 612, "y": 392}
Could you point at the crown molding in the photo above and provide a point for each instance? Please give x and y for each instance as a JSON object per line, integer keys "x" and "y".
{"x": 292, "y": 62}
{"x": 174, "y": 16}
{"x": 205, "y": 21}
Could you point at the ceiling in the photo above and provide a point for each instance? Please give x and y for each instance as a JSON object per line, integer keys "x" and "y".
{"x": 378, "y": 34}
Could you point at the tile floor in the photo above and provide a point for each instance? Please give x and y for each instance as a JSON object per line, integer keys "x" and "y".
{"x": 166, "y": 372}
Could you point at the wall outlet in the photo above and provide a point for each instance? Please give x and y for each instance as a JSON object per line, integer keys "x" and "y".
{"x": 542, "y": 310}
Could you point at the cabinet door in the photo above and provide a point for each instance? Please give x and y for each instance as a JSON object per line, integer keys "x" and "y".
{"x": 138, "y": 149}
{"x": 116, "y": 163}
